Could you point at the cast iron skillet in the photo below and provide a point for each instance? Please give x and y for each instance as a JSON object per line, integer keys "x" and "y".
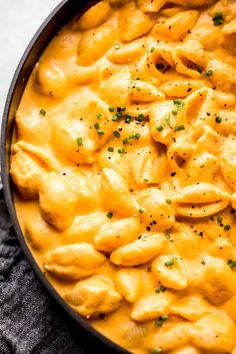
{"x": 58, "y": 17}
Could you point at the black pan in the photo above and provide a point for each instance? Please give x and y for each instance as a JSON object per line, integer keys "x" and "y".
{"x": 58, "y": 17}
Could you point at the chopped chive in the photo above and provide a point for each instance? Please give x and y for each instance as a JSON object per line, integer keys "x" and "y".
{"x": 121, "y": 150}
{"x": 116, "y": 134}
{"x": 109, "y": 215}
{"x": 140, "y": 118}
{"x": 128, "y": 118}
{"x": 171, "y": 262}
{"x": 167, "y": 120}
{"x": 156, "y": 350}
{"x": 42, "y": 112}
{"x": 231, "y": 263}
{"x": 200, "y": 70}
{"x": 219, "y": 219}
{"x": 152, "y": 49}
{"x": 179, "y": 127}
{"x": 136, "y": 136}
{"x": 179, "y": 103}
{"x": 218, "y": 19}
{"x": 125, "y": 141}
{"x": 141, "y": 210}
{"x": 99, "y": 115}
{"x": 227, "y": 227}
{"x": 110, "y": 149}
{"x": 218, "y": 119}
{"x": 160, "y": 128}
{"x": 114, "y": 117}
{"x": 161, "y": 320}
{"x": 100, "y": 132}
{"x": 161, "y": 289}
{"x": 175, "y": 112}
{"x": 209, "y": 73}
{"x": 121, "y": 109}
{"x": 111, "y": 109}
{"x": 96, "y": 126}
{"x": 79, "y": 141}
{"x": 168, "y": 201}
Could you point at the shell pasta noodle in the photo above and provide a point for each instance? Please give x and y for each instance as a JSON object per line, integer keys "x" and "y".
{"x": 124, "y": 170}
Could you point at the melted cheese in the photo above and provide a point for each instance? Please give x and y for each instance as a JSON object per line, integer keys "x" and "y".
{"x": 125, "y": 172}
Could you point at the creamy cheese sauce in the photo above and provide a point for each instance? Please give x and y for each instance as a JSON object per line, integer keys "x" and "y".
{"x": 124, "y": 166}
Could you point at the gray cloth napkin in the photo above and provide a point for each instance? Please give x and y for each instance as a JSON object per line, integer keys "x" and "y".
{"x": 31, "y": 322}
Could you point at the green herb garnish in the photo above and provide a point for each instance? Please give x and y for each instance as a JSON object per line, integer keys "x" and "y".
{"x": 121, "y": 150}
{"x": 161, "y": 320}
{"x": 179, "y": 127}
{"x": 100, "y": 132}
{"x": 209, "y": 73}
{"x": 160, "y": 128}
{"x": 231, "y": 263}
{"x": 171, "y": 262}
{"x": 218, "y": 19}
{"x": 116, "y": 134}
{"x": 42, "y": 112}
{"x": 227, "y": 227}
{"x": 109, "y": 215}
{"x": 218, "y": 119}
{"x": 79, "y": 141}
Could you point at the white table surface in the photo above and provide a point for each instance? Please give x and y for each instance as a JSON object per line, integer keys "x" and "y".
{"x": 19, "y": 20}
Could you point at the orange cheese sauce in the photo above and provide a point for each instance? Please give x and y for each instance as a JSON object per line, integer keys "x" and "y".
{"x": 124, "y": 166}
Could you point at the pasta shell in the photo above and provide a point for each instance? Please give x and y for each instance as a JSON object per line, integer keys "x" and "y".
{"x": 27, "y": 174}
{"x": 94, "y": 16}
{"x": 157, "y": 210}
{"x": 115, "y": 89}
{"x": 127, "y": 53}
{"x": 116, "y": 234}
{"x": 95, "y": 43}
{"x": 139, "y": 23}
{"x": 189, "y": 57}
{"x": 57, "y": 201}
{"x": 218, "y": 282}
{"x": 94, "y": 296}
{"x": 215, "y": 332}
{"x": 152, "y": 306}
{"x": 129, "y": 283}
{"x": 40, "y": 235}
{"x": 151, "y": 5}
{"x": 147, "y": 166}
{"x": 191, "y": 308}
{"x": 170, "y": 271}
{"x": 142, "y": 91}
{"x": 73, "y": 262}
{"x": 140, "y": 251}
{"x": 200, "y": 200}
{"x": 170, "y": 28}
{"x": 84, "y": 228}
{"x": 117, "y": 197}
{"x": 202, "y": 168}
{"x": 228, "y": 160}
{"x": 171, "y": 337}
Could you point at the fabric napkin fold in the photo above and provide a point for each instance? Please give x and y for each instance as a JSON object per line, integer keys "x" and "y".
{"x": 31, "y": 322}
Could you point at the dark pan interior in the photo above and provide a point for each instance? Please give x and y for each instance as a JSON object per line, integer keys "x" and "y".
{"x": 59, "y": 16}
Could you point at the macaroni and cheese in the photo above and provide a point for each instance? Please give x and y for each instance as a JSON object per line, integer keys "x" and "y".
{"x": 124, "y": 163}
